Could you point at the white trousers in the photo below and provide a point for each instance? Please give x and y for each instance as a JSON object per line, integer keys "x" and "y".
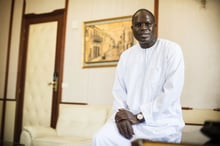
{"x": 108, "y": 135}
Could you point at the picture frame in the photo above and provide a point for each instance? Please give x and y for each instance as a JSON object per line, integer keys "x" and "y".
{"x": 104, "y": 40}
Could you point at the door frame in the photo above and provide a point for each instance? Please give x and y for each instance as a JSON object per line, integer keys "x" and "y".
{"x": 60, "y": 17}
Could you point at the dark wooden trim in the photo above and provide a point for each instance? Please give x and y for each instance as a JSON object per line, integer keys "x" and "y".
{"x": 19, "y": 94}
{"x": 146, "y": 142}
{"x": 74, "y": 103}
{"x": 156, "y": 14}
{"x": 59, "y": 65}
{"x": 216, "y": 109}
{"x": 7, "y": 99}
{"x": 191, "y": 108}
{"x": 187, "y": 108}
{"x": 45, "y": 17}
{"x": 194, "y": 124}
{"x": 7, "y": 70}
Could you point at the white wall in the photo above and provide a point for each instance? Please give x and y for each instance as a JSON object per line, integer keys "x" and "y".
{"x": 91, "y": 85}
{"x": 197, "y": 29}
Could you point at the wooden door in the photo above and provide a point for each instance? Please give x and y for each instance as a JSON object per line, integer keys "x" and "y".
{"x": 40, "y": 70}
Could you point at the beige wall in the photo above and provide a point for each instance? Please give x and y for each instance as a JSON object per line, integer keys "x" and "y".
{"x": 43, "y": 6}
{"x": 195, "y": 28}
{"x": 185, "y": 21}
{"x": 91, "y": 85}
{"x": 5, "y": 7}
{"x": 15, "y": 40}
{"x": 14, "y": 48}
{"x": 188, "y": 22}
{"x": 9, "y": 121}
{"x": 12, "y": 72}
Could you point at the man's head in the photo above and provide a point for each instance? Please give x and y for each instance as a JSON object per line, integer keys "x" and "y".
{"x": 143, "y": 27}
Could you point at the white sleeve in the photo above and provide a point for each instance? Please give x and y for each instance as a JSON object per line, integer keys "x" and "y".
{"x": 168, "y": 101}
{"x": 119, "y": 88}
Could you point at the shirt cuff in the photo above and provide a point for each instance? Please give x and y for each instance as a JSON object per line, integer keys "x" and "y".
{"x": 146, "y": 110}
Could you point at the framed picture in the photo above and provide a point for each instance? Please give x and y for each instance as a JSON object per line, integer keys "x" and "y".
{"x": 104, "y": 41}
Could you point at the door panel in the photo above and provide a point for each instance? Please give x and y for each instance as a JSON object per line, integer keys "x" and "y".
{"x": 39, "y": 72}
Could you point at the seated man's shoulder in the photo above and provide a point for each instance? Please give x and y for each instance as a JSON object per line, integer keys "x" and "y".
{"x": 170, "y": 46}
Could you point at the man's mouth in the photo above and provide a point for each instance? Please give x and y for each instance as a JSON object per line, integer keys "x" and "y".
{"x": 145, "y": 35}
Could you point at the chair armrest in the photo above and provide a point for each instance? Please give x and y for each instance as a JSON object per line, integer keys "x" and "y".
{"x": 38, "y": 131}
{"x": 25, "y": 138}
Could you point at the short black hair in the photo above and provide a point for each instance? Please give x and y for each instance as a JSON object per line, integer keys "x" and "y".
{"x": 145, "y": 11}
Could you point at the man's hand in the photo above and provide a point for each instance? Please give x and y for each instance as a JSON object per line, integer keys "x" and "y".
{"x": 123, "y": 114}
{"x": 125, "y": 128}
{"x": 124, "y": 120}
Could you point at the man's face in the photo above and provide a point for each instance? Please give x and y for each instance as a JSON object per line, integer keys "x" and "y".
{"x": 143, "y": 27}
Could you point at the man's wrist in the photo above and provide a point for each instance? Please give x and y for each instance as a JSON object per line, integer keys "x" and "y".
{"x": 140, "y": 117}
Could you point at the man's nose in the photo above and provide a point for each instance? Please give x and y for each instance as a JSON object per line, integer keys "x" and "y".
{"x": 144, "y": 26}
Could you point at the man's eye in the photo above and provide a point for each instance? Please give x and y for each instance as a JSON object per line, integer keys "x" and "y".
{"x": 148, "y": 24}
{"x": 144, "y": 24}
{"x": 138, "y": 25}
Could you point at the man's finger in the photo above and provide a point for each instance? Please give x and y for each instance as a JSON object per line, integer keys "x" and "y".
{"x": 125, "y": 129}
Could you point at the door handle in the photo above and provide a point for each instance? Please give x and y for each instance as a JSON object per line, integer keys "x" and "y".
{"x": 54, "y": 83}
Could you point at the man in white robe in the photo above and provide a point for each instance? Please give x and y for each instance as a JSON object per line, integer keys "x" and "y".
{"x": 147, "y": 89}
